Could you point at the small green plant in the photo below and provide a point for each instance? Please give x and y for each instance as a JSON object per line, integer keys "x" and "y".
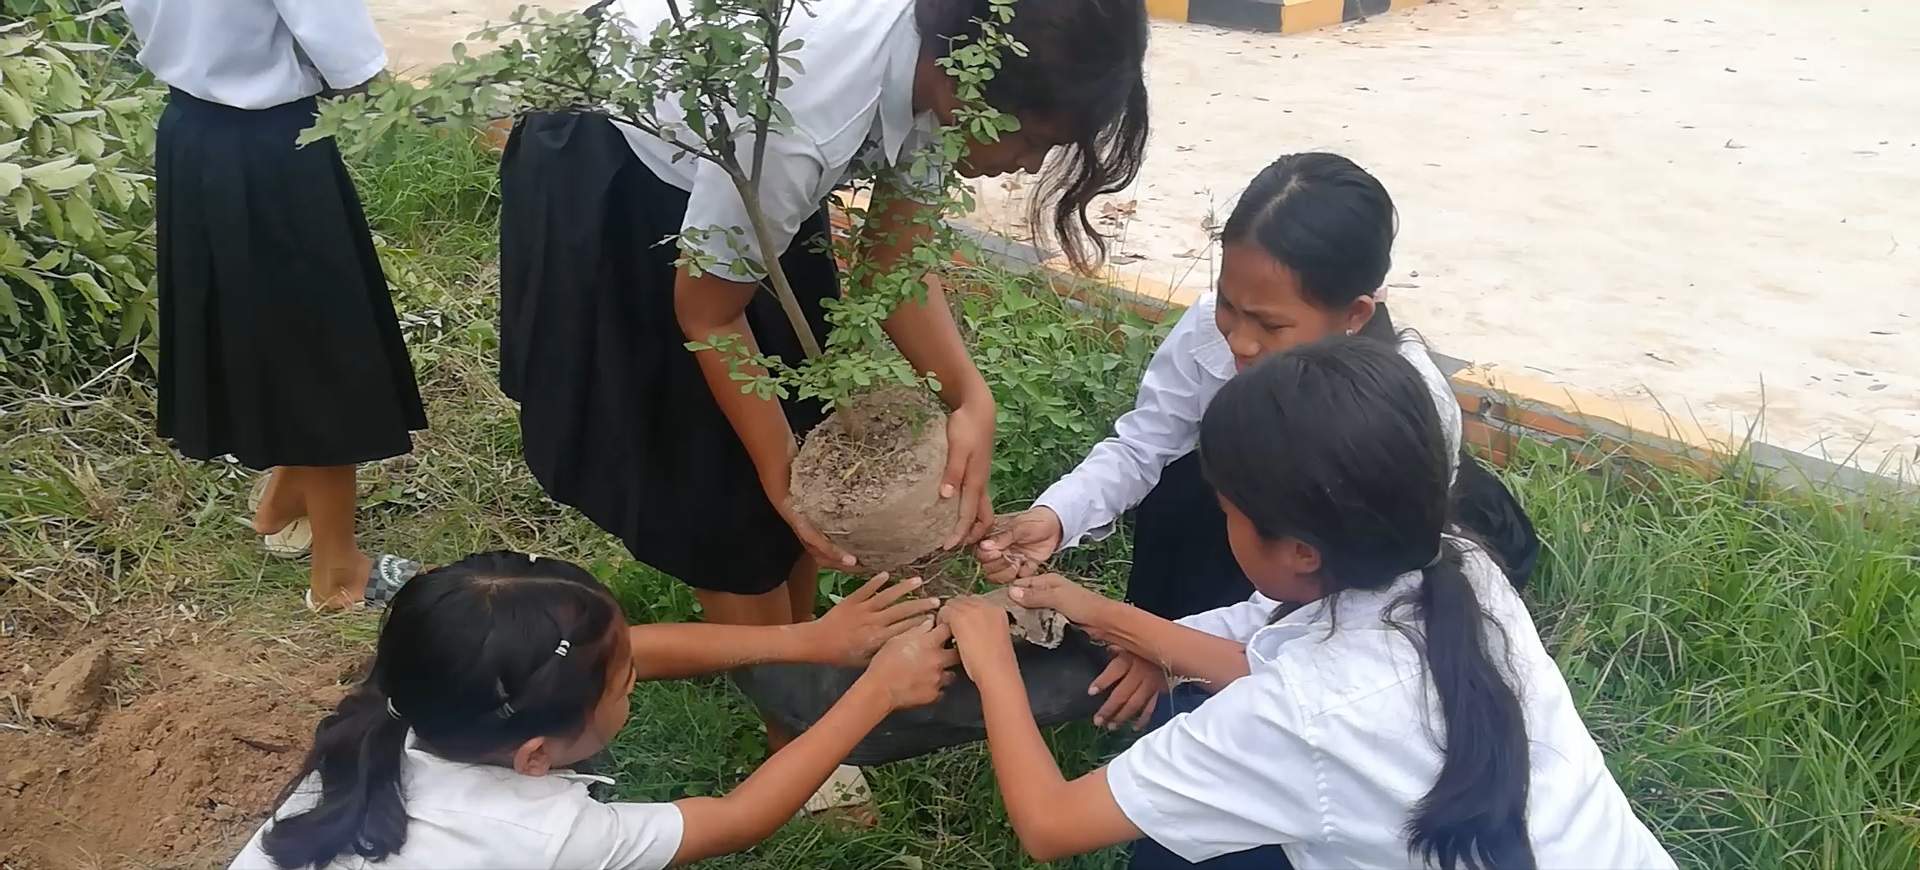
{"x": 76, "y": 197}
{"x": 721, "y": 65}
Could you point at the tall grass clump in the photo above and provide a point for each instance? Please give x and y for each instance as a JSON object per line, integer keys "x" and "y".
{"x": 1750, "y": 663}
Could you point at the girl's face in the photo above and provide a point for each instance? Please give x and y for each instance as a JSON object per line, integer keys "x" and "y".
{"x": 1261, "y": 308}
{"x": 541, "y": 754}
{"x": 1284, "y": 570}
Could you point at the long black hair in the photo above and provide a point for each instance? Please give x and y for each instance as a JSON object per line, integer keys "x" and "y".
{"x": 1336, "y": 444}
{"x": 1084, "y": 64}
{"x": 470, "y": 660}
{"x": 1328, "y": 221}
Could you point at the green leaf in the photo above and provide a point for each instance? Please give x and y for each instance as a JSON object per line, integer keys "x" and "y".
{"x": 15, "y": 111}
{"x": 59, "y": 175}
{"x": 23, "y": 206}
{"x": 10, "y": 178}
{"x": 80, "y": 214}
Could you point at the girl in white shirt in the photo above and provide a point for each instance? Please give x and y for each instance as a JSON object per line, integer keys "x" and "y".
{"x": 1383, "y": 701}
{"x": 278, "y": 340}
{"x": 497, "y": 673}
{"x": 1304, "y": 256}
{"x": 657, "y": 444}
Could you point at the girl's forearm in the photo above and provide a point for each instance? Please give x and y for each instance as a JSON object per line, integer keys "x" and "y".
{"x": 1029, "y": 777}
{"x": 924, "y": 331}
{"x": 709, "y": 307}
{"x": 1212, "y": 661}
{"x": 674, "y": 651}
{"x": 757, "y": 808}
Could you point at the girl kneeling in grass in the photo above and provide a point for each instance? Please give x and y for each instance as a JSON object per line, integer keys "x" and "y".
{"x": 1384, "y": 701}
{"x": 495, "y": 674}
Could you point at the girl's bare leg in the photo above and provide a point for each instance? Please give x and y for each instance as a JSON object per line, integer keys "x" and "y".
{"x": 280, "y": 504}
{"x": 780, "y": 606}
{"x": 803, "y": 584}
{"x": 340, "y": 570}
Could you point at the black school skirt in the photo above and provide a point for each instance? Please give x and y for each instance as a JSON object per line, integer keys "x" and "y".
{"x": 278, "y": 341}
{"x": 1183, "y": 565}
{"x": 615, "y": 417}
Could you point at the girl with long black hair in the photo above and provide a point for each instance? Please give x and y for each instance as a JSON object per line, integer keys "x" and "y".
{"x": 498, "y": 673}
{"x": 1384, "y": 702}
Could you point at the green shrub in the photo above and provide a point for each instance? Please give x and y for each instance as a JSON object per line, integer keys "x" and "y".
{"x": 76, "y": 197}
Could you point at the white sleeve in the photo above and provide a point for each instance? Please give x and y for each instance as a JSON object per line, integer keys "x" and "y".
{"x": 1164, "y": 425}
{"x": 623, "y": 837}
{"x": 1235, "y": 622}
{"x": 1234, "y": 774}
{"x": 790, "y": 180}
{"x": 338, "y": 36}
{"x": 1415, "y": 351}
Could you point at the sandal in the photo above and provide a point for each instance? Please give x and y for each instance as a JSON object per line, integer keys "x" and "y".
{"x": 388, "y": 574}
{"x": 293, "y": 541}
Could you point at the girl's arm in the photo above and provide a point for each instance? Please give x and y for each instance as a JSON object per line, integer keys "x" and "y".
{"x": 910, "y": 671}
{"x": 927, "y": 336}
{"x": 1163, "y": 425}
{"x": 848, "y": 635}
{"x": 1210, "y": 660}
{"x": 1054, "y": 818}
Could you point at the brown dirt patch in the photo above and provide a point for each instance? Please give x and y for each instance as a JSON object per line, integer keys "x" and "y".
{"x": 201, "y": 723}
{"x": 869, "y": 478}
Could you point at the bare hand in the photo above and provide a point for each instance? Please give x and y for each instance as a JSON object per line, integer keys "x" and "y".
{"x": 1018, "y": 544}
{"x": 1080, "y": 605}
{"x": 862, "y": 622}
{"x": 969, "y": 464}
{"x": 1136, "y": 684}
{"x": 914, "y": 667}
{"x": 981, "y": 633}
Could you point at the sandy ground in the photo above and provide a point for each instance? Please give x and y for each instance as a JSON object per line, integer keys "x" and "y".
{"x": 1713, "y": 206}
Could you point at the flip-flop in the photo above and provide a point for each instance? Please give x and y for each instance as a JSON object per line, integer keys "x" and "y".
{"x": 293, "y": 541}
{"x": 388, "y": 574}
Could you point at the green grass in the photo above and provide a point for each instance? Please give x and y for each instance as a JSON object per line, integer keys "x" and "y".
{"x": 1751, "y": 665}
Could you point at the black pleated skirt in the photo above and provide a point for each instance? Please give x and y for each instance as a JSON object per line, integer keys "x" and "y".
{"x": 278, "y": 341}
{"x": 615, "y": 417}
{"x": 1183, "y": 565}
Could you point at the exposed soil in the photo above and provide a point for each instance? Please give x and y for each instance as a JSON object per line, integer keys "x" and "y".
{"x": 175, "y": 760}
{"x": 869, "y": 478}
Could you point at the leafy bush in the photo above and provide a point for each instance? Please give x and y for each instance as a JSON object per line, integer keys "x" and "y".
{"x": 76, "y": 196}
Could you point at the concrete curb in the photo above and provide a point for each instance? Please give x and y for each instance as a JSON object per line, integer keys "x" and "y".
{"x": 1272, "y": 16}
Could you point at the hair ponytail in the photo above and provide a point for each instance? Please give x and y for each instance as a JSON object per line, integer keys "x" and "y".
{"x": 357, "y": 752}
{"x": 1337, "y": 443}
{"x": 1476, "y": 814}
{"x": 475, "y": 658}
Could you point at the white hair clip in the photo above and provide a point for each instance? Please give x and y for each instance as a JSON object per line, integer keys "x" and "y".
{"x": 561, "y": 650}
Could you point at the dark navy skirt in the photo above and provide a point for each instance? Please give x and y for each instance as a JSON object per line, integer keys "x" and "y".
{"x": 615, "y": 416}
{"x": 278, "y": 340}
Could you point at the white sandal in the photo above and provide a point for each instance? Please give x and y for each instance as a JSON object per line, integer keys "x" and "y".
{"x": 293, "y": 541}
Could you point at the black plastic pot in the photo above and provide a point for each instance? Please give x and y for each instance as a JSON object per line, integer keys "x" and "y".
{"x": 796, "y": 696}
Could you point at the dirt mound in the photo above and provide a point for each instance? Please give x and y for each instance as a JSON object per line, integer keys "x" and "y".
{"x": 869, "y": 478}
{"x": 189, "y": 746}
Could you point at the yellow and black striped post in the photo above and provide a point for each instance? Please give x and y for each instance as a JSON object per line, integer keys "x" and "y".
{"x": 1272, "y": 16}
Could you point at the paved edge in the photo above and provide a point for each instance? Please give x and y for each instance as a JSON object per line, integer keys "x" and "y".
{"x": 1272, "y": 16}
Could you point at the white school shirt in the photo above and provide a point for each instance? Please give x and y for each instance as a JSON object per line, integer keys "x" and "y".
{"x": 257, "y": 54}
{"x": 852, "y": 103}
{"x": 481, "y": 817}
{"x": 1328, "y": 744}
{"x": 1186, "y": 371}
